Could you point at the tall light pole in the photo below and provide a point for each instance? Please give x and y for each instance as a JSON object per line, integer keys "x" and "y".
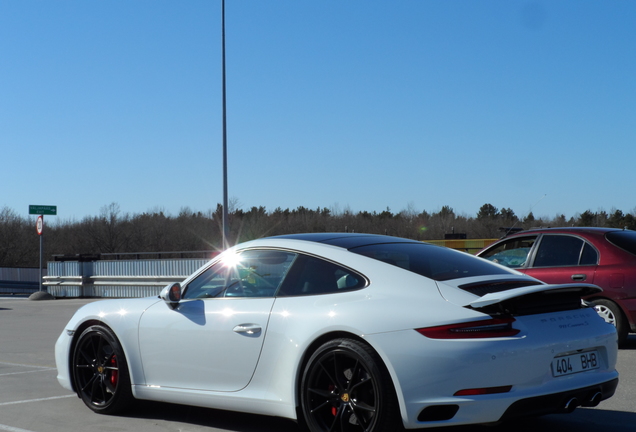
{"x": 226, "y": 227}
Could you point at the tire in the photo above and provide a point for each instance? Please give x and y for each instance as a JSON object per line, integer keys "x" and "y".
{"x": 100, "y": 371}
{"x": 345, "y": 387}
{"x": 610, "y": 312}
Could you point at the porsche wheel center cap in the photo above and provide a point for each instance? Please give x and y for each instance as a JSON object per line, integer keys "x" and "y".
{"x": 345, "y": 397}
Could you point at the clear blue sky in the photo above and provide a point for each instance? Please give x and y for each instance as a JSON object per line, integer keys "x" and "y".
{"x": 350, "y": 105}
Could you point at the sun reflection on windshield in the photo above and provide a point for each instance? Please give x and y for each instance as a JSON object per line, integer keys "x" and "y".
{"x": 231, "y": 259}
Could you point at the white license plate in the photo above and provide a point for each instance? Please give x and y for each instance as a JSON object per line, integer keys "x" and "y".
{"x": 575, "y": 363}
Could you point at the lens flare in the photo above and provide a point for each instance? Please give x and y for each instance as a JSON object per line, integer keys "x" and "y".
{"x": 231, "y": 259}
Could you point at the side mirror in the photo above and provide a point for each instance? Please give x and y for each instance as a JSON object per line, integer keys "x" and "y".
{"x": 171, "y": 295}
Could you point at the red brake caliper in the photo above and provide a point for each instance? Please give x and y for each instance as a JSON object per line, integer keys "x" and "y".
{"x": 113, "y": 373}
{"x": 334, "y": 410}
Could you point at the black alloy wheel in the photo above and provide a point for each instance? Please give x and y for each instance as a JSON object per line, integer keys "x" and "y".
{"x": 346, "y": 388}
{"x": 100, "y": 372}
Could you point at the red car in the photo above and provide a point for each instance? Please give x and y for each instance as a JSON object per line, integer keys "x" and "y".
{"x": 601, "y": 256}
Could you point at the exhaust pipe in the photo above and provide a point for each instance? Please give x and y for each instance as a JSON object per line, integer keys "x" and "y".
{"x": 594, "y": 400}
{"x": 571, "y": 405}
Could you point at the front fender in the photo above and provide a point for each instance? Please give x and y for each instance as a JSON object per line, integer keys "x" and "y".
{"x": 122, "y": 317}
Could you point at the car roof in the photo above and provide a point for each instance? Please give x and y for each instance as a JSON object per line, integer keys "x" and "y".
{"x": 582, "y": 230}
{"x": 346, "y": 240}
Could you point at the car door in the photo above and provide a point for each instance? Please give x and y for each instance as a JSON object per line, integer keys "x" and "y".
{"x": 563, "y": 258}
{"x": 213, "y": 339}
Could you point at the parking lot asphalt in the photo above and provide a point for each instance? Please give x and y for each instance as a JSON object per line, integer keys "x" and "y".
{"x": 31, "y": 399}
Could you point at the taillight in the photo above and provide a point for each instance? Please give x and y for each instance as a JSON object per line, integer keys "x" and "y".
{"x": 491, "y": 328}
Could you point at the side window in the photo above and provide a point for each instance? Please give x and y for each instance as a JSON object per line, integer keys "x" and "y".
{"x": 589, "y": 255}
{"x": 310, "y": 276}
{"x": 558, "y": 250}
{"x": 252, "y": 273}
{"x": 512, "y": 253}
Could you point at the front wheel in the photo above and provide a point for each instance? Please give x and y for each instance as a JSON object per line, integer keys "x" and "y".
{"x": 611, "y": 313}
{"x": 100, "y": 371}
{"x": 346, "y": 388}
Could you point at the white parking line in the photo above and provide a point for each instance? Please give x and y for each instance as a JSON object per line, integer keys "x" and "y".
{"x": 26, "y": 365}
{"x": 12, "y": 429}
{"x": 37, "y": 368}
{"x": 24, "y": 372}
{"x": 36, "y": 400}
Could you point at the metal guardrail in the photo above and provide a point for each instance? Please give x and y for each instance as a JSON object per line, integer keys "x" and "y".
{"x": 19, "y": 280}
{"x": 131, "y": 278}
{"x": 18, "y": 288}
{"x": 206, "y": 254}
{"x": 467, "y": 245}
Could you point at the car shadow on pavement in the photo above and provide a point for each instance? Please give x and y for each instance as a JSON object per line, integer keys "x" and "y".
{"x": 581, "y": 420}
{"x": 630, "y": 343}
{"x": 218, "y": 419}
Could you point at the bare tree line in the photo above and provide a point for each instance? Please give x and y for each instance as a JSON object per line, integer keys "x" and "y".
{"x": 113, "y": 231}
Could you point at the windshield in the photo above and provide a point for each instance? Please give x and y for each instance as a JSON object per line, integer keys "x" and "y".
{"x": 434, "y": 262}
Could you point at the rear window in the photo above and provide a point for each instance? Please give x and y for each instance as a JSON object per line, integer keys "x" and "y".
{"x": 434, "y": 262}
{"x": 625, "y": 239}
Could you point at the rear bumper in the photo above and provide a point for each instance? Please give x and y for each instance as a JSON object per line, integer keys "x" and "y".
{"x": 561, "y": 402}
{"x": 430, "y": 373}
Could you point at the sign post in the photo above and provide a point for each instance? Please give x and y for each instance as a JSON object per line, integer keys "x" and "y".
{"x": 39, "y": 226}
{"x": 41, "y": 210}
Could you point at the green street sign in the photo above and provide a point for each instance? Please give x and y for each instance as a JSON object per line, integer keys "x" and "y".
{"x": 43, "y": 210}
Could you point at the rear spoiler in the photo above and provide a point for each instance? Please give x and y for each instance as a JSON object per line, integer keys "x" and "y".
{"x": 535, "y": 299}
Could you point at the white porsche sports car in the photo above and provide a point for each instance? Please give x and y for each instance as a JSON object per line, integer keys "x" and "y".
{"x": 347, "y": 332}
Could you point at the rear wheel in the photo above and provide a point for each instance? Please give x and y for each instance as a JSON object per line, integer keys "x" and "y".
{"x": 100, "y": 371}
{"x": 346, "y": 388}
{"x": 610, "y": 312}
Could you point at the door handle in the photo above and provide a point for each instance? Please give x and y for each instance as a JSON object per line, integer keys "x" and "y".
{"x": 248, "y": 329}
{"x": 579, "y": 277}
